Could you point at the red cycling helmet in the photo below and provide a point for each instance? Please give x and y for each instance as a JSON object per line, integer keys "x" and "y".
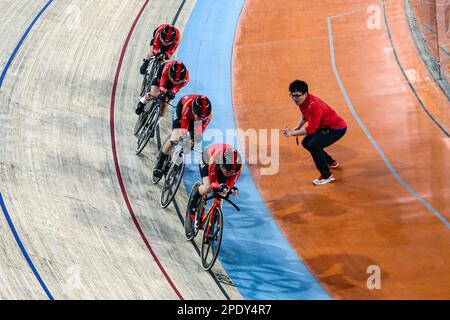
{"x": 178, "y": 71}
{"x": 231, "y": 160}
{"x": 201, "y": 107}
{"x": 168, "y": 34}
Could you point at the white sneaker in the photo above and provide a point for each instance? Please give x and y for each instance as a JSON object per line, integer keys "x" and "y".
{"x": 321, "y": 180}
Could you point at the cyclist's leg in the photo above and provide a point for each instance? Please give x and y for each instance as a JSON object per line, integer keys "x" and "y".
{"x": 176, "y": 135}
{"x": 165, "y": 152}
{"x": 146, "y": 99}
{"x": 149, "y": 96}
{"x": 177, "y": 131}
{"x": 154, "y": 92}
{"x": 203, "y": 188}
{"x": 167, "y": 148}
{"x": 194, "y": 139}
{"x": 146, "y": 63}
{"x": 176, "y": 128}
{"x": 155, "y": 84}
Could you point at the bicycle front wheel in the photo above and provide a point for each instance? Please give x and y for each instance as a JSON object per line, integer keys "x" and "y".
{"x": 148, "y": 130}
{"x": 212, "y": 239}
{"x": 172, "y": 181}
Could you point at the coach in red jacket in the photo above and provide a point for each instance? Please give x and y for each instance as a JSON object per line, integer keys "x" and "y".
{"x": 323, "y": 128}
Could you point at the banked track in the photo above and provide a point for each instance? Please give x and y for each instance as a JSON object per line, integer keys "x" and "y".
{"x": 58, "y": 177}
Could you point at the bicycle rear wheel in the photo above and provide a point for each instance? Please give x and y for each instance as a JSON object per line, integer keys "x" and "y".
{"x": 212, "y": 239}
{"x": 190, "y": 226}
{"x": 148, "y": 130}
{"x": 172, "y": 180}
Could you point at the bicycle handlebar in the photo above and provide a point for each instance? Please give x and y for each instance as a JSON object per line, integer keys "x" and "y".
{"x": 219, "y": 196}
{"x": 163, "y": 100}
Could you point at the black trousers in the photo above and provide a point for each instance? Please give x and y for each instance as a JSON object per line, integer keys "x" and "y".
{"x": 316, "y": 142}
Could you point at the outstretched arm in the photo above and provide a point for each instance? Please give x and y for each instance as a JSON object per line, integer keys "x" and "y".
{"x": 294, "y": 133}
{"x": 300, "y": 124}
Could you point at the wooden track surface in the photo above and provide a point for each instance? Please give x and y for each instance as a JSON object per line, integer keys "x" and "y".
{"x": 367, "y": 217}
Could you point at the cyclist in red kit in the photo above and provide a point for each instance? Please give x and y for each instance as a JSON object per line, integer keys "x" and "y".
{"x": 324, "y": 127}
{"x": 191, "y": 109}
{"x": 166, "y": 39}
{"x": 170, "y": 78}
{"x": 220, "y": 168}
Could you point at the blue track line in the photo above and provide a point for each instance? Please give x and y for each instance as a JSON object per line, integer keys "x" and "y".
{"x": 16, "y": 50}
{"x": 368, "y": 134}
{"x": 23, "y": 250}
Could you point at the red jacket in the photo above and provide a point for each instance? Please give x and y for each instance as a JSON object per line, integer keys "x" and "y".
{"x": 165, "y": 79}
{"x": 319, "y": 115}
{"x": 187, "y": 115}
{"x": 157, "y": 42}
{"x": 215, "y": 153}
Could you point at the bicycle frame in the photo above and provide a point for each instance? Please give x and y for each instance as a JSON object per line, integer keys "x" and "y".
{"x": 212, "y": 223}
{"x": 217, "y": 202}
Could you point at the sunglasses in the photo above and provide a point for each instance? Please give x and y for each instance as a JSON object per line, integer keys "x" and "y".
{"x": 296, "y": 96}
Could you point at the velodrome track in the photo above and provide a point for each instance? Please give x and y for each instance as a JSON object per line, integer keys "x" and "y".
{"x": 81, "y": 220}
{"x": 58, "y": 177}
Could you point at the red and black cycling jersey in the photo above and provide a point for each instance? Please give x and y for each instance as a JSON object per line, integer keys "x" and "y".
{"x": 212, "y": 157}
{"x": 162, "y": 79}
{"x": 158, "y": 46}
{"x": 319, "y": 115}
{"x": 185, "y": 117}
